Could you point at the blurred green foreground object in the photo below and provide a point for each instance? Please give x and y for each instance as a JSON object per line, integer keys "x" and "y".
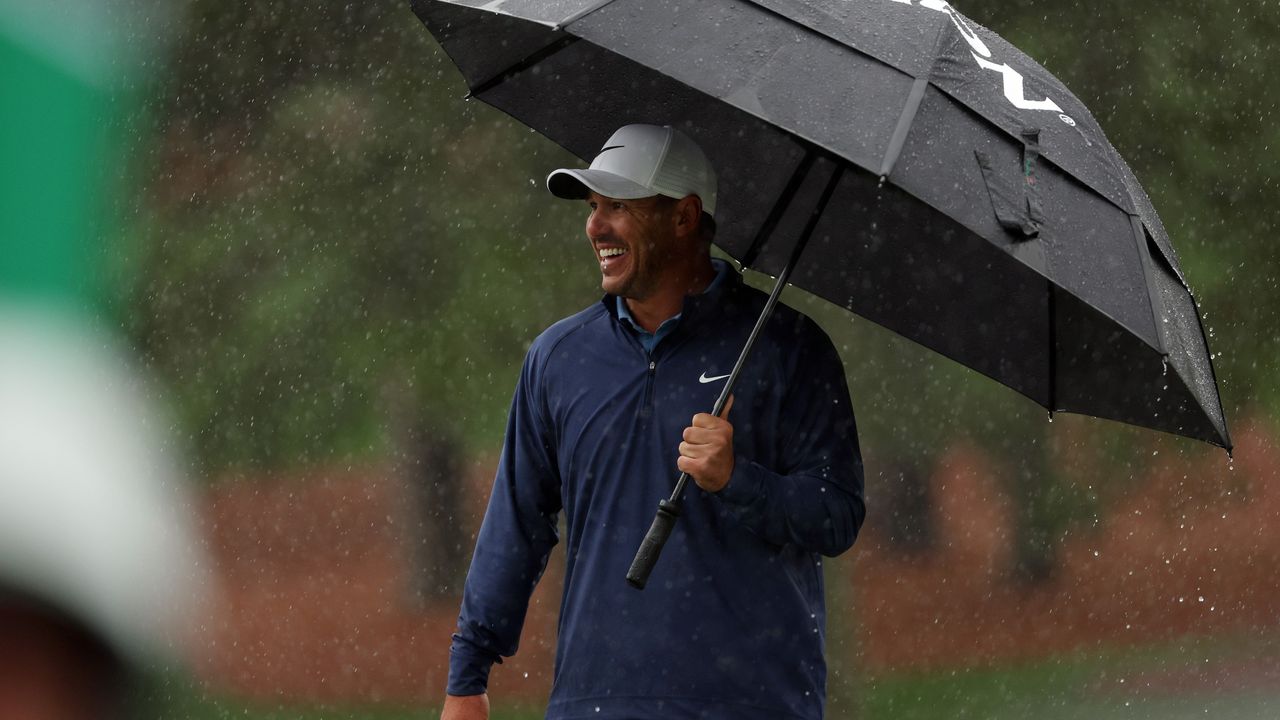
{"x": 61, "y": 66}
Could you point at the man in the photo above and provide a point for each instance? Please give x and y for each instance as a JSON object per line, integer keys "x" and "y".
{"x": 731, "y": 624}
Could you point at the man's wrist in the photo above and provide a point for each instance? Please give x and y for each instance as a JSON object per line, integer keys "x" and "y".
{"x": 468, "y": 670}
{"x": 465, "y": 707}
{"x": 743, "y": 487}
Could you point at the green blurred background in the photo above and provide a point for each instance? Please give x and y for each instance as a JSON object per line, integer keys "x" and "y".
{"x": 330, "y": 259}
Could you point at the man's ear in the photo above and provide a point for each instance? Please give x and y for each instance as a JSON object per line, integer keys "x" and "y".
{"x": 688, "y": 214}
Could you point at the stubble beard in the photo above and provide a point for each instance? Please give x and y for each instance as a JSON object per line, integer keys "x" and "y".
{"x": 641, "y": 278}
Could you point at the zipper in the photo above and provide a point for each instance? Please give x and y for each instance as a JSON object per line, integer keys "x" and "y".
{"x": 646, "y": 405}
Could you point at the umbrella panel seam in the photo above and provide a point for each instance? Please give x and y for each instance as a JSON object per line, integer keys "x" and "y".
{"x": 576, "y": 16}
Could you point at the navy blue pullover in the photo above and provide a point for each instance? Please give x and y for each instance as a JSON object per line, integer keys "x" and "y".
{"x": 732, "y": 622}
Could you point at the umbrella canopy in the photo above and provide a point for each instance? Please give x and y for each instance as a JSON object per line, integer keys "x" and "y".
{"x": 975, "y": 205}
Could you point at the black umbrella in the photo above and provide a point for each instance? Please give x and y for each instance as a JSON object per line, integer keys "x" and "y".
{"x": 947, "y": 186}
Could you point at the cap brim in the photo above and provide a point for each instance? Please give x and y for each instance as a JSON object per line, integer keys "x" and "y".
{"x": 576, "y": 184}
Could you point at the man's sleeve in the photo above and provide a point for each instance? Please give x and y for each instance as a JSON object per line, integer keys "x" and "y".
{"x": 815, "y": 498}
{"x": 516, "y": 537}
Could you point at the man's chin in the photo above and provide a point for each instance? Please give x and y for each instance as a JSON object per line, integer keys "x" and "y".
{"x": 614, "y": 286}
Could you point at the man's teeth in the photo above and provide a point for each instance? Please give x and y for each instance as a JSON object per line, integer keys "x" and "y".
{"x": 611, "y": 252}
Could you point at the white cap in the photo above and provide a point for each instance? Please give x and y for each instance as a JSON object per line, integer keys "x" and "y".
{"x": 641, "y": 161}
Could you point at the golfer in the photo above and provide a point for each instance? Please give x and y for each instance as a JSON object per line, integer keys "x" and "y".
{"x": 609, "y": 408}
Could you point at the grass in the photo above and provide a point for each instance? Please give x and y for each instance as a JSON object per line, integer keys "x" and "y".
{"x": 1221, "y": 678}
{"x": 1195, "y": 677}
{"x": 170, "y": 698}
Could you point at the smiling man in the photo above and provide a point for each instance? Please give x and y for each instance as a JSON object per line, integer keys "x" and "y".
{"x": 609, "y": 407}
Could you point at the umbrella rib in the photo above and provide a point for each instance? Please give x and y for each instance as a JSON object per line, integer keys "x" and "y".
{"x": 1144, "y": 256}
{"x": 1149, "y": 270}
{"x": 779, "y": 206}
{"x": 575, "y": 17}
{"x": 1213, "y": 373}
{"x": 1053, "y": 346}
{"x": 529, "y": 61}
{"x": 905, "y": 122}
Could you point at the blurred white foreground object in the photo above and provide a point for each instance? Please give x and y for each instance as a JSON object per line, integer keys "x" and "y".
{"x": 95, "y": 523}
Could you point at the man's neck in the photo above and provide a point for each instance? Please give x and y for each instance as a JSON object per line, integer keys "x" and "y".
{"x": 667, "y": 301}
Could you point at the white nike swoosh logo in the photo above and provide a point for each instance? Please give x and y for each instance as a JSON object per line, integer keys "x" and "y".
{"x": 704, "y": 379}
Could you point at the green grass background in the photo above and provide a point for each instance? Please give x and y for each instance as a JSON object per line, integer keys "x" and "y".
{"x": 1221, "y": 678}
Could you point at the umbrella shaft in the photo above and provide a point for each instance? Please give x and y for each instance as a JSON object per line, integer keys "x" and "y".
{"x": 669, "y": 510}
{"x": 767, "y": 312}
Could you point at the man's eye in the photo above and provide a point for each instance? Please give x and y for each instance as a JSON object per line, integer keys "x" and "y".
{"x": 618, "y": 206}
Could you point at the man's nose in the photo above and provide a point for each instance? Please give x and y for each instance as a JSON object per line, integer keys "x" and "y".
{"x": 596, "y": 225}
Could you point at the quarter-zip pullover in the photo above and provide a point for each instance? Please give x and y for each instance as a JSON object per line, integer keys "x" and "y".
{"x": 732, "y": 622}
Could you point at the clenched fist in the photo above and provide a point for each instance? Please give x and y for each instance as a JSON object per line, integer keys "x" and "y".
{"x": 707, "y": 451}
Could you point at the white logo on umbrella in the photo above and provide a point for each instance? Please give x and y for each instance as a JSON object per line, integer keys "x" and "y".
{"x": 1014, "y": 91}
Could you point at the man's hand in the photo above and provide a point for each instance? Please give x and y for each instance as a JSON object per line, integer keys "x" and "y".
{"x": 707, "y": 451}
{"x": 466, "y": 707}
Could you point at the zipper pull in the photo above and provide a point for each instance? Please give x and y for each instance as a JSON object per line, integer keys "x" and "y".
{"x": 653, "y": 365}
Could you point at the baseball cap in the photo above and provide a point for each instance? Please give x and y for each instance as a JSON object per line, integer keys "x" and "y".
{"x": 641, "y": 161}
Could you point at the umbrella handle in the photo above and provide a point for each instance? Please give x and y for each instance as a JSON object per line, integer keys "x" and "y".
{"x": 651, "y": 547}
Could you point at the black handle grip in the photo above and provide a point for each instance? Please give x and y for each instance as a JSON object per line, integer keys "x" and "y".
{"x": 651, "y": 547}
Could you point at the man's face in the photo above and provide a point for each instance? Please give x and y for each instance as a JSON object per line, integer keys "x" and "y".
{"x": 634, "y": 242}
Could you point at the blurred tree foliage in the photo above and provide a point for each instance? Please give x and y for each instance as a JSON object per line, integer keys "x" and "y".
{"x": 328, "y": 224}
